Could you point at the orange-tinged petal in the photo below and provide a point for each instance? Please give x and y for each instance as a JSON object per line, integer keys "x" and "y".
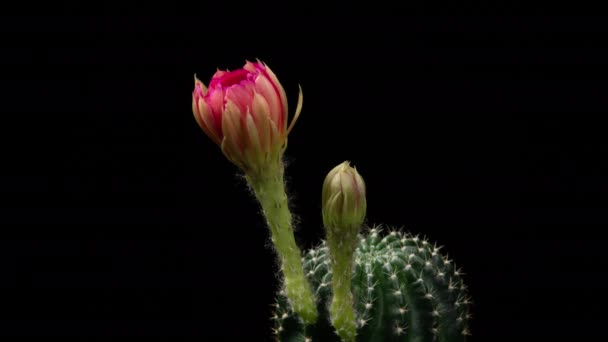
{"x": 195, "y": 111}
{"x": 215, "y": 100}
{"x": 241, "y": 96}
{"x": 250, "y": 66}
{"x": 254, "y": 152}
{"x": 207, "y": 121}
{"x": 282, "y": 95}
{"x": 266, "y": 89}
{"x": 261, "y": 116}
{"x": 231, "y": 129}
{"x": 197, "y": 115}
{"x": 199, "y": 84}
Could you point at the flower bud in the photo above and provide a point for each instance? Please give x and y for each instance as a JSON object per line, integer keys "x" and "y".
{"x": 245, "y": 113}
{"x": 344, "y": 207}
{"x": 343, "y": 199}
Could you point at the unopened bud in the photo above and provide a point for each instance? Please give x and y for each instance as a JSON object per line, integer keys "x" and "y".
{"x": 343, "y": 199}
{"x": 344, "y": 207}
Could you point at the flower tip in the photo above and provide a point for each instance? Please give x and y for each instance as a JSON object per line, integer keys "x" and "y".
{"x": 254, "y": 66}
{"x": 199, "y": 83}
{"x": 250, "y": 66}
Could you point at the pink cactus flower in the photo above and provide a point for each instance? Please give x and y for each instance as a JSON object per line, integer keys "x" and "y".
{"x": 245, "y": 113}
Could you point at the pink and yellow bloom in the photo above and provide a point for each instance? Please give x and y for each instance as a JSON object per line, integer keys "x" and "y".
{"x": 245, "y": 112}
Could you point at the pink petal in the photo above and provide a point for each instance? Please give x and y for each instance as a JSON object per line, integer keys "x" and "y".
{"x": 250, "y": 67}
{"x": 199, "y": 86}
{"x": 216, "y": 77}
{"x": 260, "y": 114}
{"x": 232, "y": 144}
{"x": 259, "y": 65}
{"x": 195, "y": 110}
{"x": 211, "y": 126}
{"x": 266, "y": 89}
{"x": 275, "y": 81}
{"x": 241, "y": 96}
{"x": 232, "y": 78}
{"x": 215, "y": 100}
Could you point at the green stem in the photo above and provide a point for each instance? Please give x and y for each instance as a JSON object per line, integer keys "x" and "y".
{"x": 341, "y": 311}
{"x": 269, "y": 188}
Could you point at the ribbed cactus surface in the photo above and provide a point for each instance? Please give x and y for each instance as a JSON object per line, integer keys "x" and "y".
{"x": 404, "y": 289}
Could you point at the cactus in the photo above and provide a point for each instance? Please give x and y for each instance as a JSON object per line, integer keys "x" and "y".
{"x": 404, "y": 289}
{"x": 355, "y": 286}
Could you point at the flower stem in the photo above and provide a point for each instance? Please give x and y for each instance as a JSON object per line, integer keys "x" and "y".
{"x": 342, "y": 315}
{"x": 269, "y": 188}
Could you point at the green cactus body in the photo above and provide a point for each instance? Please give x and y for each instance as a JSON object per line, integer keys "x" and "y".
{"x": 403, "y": 290}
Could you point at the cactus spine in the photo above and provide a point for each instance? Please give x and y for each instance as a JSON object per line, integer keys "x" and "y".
{"x": 403, "y": 288}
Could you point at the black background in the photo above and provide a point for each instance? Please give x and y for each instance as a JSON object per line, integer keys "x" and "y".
{"x": 476, "y": 125}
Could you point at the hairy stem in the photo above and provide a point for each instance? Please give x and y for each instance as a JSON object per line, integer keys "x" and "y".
{"x": 269, "y": 188}
{"x": 341, "y": 248}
